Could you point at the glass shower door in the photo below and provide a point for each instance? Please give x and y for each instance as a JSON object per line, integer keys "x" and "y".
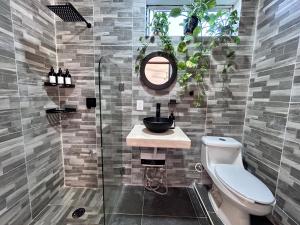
{"x": 109, "y": 118}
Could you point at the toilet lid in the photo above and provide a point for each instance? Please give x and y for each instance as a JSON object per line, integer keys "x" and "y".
{"x": 243, "y": 183}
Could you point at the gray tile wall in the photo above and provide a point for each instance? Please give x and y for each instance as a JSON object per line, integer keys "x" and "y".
{"x": 114, "y": 36}
{"x": 76, "y": 52}
{"x": 271, "y": 143}
{"x": 30, "y": 145}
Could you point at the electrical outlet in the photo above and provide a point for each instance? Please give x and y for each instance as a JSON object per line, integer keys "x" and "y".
{"x": 140, "y": 105}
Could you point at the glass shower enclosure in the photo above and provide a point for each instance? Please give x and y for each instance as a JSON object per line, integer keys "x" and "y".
{"x": 109, "y": 123}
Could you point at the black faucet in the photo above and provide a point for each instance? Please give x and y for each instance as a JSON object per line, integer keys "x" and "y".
{"x": 157, "y": 109}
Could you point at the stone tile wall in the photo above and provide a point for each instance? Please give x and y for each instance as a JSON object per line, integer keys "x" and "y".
{"x": 271, "y": 143}
{"x": 30, "y": 142}
{"x": 114, "y": 36}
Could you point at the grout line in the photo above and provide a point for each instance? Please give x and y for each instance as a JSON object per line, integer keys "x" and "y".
{"x": 20, "y": 110}
{"x": 252, "y": 60}
{"x": 286, "y": 124}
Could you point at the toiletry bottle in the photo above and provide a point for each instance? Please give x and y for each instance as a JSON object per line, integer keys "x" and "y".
{"x": 52, "y": 77}
{"x": 60, "y": 78}
{"x": 68, "y": 79}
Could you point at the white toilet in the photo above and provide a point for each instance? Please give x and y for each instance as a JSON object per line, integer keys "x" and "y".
{"x": 241, "y": 192}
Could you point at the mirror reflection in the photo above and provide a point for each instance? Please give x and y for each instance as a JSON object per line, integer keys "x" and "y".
{"x": 158, "y": 70}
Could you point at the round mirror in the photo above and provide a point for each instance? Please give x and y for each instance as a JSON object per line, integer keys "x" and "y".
{"x": 158, "y": 70}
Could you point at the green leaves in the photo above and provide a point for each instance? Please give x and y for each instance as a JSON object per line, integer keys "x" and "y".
{"x": 197, "y": 31}
{"x": 190, "y": 64}
{"x": 182, "y": 47}
{"x": 175, "y": 12}
{"x": 211, "y": 4}
{"x": 181, "y": 65}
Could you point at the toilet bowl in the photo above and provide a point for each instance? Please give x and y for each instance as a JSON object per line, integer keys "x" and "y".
{"x": 241, "y": 192}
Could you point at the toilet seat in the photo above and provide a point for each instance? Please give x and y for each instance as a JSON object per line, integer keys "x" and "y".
{"x": 244, "y": 184}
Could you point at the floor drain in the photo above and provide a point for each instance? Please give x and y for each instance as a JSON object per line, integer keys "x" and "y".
{"x": 78, "y": 213}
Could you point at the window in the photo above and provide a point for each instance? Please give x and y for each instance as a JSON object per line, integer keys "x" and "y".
{"x": 176, "y": 27}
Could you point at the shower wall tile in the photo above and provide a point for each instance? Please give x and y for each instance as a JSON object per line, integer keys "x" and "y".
{"x": 18, "y": 214}
{"x": 45, "y": 178}
{"x": 75, "y": 51}
{"x": 34, "y": 45}
{"x": 30, "y": 143}
{"x": 8, "y": 76}
{"x": 14, "y": 190}
{"x": 81, "y": 168}
{"x": 270, "y": 139}
{"x": 288, "y": 191}
{"x": 10, "y": 122}
{"x": 113, "y": 22}
{"x": 296, "y": 84}
{"x": 11, "y": 154}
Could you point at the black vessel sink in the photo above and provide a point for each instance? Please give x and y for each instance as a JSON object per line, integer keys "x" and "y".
{"x": 158, "y": 124}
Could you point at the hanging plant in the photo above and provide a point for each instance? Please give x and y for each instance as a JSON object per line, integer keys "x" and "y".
{"x": 212, "y": 30}
{"x": 160, "y": 28}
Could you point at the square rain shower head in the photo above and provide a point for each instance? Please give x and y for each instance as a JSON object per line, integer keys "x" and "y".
{"x": 68, "y": 13}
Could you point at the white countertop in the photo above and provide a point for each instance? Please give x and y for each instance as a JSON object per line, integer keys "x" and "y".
{"x": 140, "y": 136}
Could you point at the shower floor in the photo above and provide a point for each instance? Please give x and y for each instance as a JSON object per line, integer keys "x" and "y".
{"x": 59, "y": 210}
{"x": 133, "y": 206}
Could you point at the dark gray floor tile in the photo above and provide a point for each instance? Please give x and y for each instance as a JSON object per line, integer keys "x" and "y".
{"x": 130, "y": 201}
{"x": 215, "y": 219}
{"x": 176, "y": 203}
{"x": 203, "y": 191}
{"x": 196, "y": 203}
{"x": 122, "y": 219}
{"x": 204, "y": 221}
{"x": 155, "y": 220}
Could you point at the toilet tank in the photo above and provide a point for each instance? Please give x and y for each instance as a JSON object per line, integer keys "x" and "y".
{"x": 220, "y": 150}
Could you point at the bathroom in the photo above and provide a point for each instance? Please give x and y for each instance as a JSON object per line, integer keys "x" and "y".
{"x": 77, "y": 152}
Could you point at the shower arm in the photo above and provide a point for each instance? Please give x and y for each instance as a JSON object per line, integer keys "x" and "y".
{"x": 89, "y": 25}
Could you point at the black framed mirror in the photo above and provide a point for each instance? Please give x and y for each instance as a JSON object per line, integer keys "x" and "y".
{"x": 158, "y": 70}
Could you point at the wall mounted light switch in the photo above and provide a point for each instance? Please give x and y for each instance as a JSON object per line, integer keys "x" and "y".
{"x": 140, "y": 105}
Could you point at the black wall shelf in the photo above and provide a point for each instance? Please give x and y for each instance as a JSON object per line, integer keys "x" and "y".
{"x": 59, "y": 85}
{"x": 63, "y": 110}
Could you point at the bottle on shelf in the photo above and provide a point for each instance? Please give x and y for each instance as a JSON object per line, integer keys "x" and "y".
{"x": 60, "y": 77}
{"x": 68, "y": 78}
{"x": 52, "y": 77}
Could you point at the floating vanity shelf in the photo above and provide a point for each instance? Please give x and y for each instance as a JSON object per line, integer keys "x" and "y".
{"x": 60, "y": 86}
{"x": 140, "y": 136}
{"x": 64, "y": 110}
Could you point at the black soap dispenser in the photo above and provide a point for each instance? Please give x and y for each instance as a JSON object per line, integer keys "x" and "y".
{"x": 68, "y": 78}
{"x": 52, "y": 77}
{"x": 60, "y": 77}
